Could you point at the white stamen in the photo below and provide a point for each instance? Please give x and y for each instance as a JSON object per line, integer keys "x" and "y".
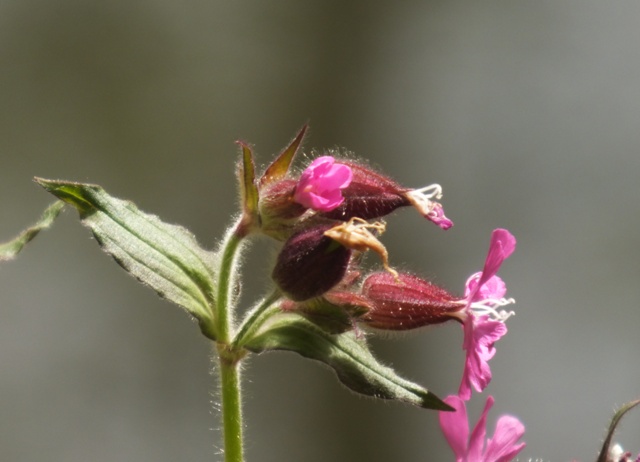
{"x": 421, "y": 198}
{"x": 489, "y": 305}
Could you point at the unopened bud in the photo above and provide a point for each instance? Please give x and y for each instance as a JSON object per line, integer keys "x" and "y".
{"x": 284, "y": 200}
{"x": 369, "y": 195}
{"x": 279, "y": 212}
{"x": 407, "y": 302}
{"x": 310, "y": 264}
{"x": 372, "y": 195}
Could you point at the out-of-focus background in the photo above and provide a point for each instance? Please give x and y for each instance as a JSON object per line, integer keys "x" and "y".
{"x": 527, "y": 112}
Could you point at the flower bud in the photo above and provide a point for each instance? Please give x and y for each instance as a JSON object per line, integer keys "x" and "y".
{"x": 284, "y": 200}
{"x": 279, "y": 213}
{"x": 320, "y": 185}
{"x": 310, "y": 264}
{"x": 407, "y": 302}
{"x": 369, "y": 195}
{"x": 372, "y": 195}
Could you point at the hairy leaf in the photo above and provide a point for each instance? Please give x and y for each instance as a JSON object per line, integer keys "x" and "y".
{"x": 9, "y": 250}
{"x": 165, "y": 257}
{"x": 349, "y": 357}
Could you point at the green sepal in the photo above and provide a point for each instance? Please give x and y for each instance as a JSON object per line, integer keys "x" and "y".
{"x": 165, "y": 257}
{"x": 9, "y": 250}
{"x": 346, "y": 353}
{"x": 615, "y": 420}
{"x": 334, "y": 319}
{"x": 279, "y": 168}
{"x": 248, "y": 189}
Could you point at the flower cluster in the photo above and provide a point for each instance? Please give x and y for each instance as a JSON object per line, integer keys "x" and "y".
{"x": 327, "y": 216}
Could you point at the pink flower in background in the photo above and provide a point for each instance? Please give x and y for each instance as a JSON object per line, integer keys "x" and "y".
{"x": 503, "y": 447}
{"x": 484, "y": 324}
{"x": 321, "y": 184}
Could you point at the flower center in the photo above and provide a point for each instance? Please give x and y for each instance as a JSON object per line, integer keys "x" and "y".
{"x": 490, "y": 307}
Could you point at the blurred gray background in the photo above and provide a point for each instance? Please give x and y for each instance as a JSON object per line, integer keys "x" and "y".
{"x": 527, "y": 112}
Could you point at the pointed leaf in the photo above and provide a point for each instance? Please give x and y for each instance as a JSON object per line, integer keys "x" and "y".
{"x": 9, "y": 250}
{"x": 165, "y": 257}
{"x": 615, "y": 420}
{"x": 280, "y": 166}
{"x": 346, "y": 354}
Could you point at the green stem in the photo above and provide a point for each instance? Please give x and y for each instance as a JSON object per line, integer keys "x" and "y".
{"x": 231, "y": 409}
{"x": 255, "y": 319}
{"x": 223, "y": 315}
{"x": 228, "y": 357}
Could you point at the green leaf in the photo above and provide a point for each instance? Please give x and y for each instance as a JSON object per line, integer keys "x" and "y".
{"x": 604, "y": 452}
{"x": 9, "y": 250}
{"x": 348, "y": 355}
{"x": 165, "y": 257}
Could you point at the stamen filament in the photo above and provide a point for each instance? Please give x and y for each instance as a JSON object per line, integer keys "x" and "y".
{"x": 422, "y": 198}
{"x": 488, "y": 307}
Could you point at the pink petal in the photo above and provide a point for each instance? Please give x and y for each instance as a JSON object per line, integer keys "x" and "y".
{"x": 494, "y": 288}
{"x": 437, "y": 216}
{"x": 502, "y": 447}
{"x": 455, "y": 427}
{"x": 338, "y": 177}
{"x": 320, "y": 185}
{"x": 476, "y": 444}
{"x": 502, "y": 245}
{"x": 320, "y": 165}
{"x": 479, "y": 336}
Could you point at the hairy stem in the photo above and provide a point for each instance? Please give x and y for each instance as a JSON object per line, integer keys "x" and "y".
{"x": 255, "y": 318}
{"x": 228, "y": 357}
{"x": 231, "y": 409}
{"x": 230, "y": 254}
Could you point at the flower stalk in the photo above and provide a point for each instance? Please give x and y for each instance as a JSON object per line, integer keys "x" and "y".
{"x": 228, "y": 357}
{"x": 231, "y": 400}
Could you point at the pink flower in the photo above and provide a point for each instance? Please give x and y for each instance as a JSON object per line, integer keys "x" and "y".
{"x": 483, "y": 324}
{"x": 479, "y": 336}
{"x": 503, "y": 447}
{"x": 437, "y": 216}
{"x": 321, "y": 184}
{"x": 421, "y": 199}
{"x": 501, "y": 247}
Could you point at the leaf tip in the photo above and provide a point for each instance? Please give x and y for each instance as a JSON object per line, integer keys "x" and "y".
{"x": 46, "y": 184}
